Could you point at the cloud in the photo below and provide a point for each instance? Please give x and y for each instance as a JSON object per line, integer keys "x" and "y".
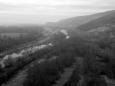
{"x": 48, "y": 10}
{"x": 56, "y": 4}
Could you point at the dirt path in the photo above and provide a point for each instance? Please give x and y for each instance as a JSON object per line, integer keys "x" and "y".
{"x": 110, "y": 82}
{"x": 66, "y": 75}
{"x": 17, "y": 80}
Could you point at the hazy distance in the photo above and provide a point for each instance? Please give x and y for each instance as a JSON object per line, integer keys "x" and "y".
{"x": 14, "y": 12}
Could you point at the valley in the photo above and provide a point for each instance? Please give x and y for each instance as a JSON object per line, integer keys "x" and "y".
{"x": 73, "y": 52}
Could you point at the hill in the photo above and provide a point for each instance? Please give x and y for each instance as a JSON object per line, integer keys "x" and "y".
{"x": 107, "y": 21}
{"x": 76, "y": 21}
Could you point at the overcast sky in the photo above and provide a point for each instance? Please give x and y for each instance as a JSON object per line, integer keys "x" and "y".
{"x": 41, "y": 11}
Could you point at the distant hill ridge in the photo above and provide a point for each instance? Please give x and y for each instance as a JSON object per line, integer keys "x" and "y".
{"x": 74, "y": 22}
{"x": 104, "y": 21}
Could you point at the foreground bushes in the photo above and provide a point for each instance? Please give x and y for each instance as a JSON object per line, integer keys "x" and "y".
{"x": 46, "y": 73}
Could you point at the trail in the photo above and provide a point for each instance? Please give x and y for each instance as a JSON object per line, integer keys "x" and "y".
{"x": 110, "y": 82}
{"x": 17, "y": 80}
{"x": 66, "y": 75}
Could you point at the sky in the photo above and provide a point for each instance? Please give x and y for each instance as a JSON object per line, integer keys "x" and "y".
{"x": 42, "y": 11}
